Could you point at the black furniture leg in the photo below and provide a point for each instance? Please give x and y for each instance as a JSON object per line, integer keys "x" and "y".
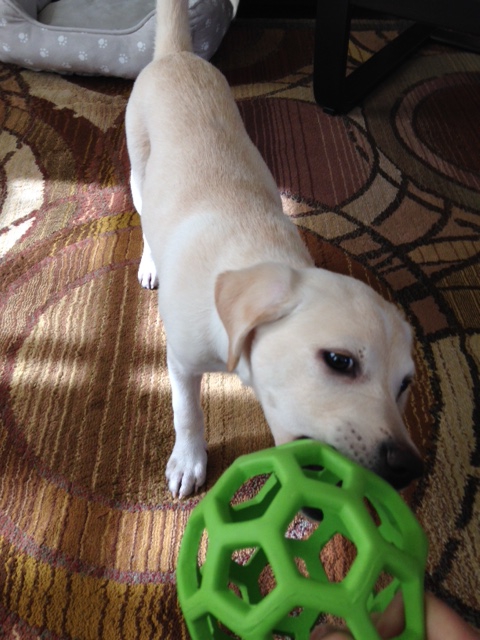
{"x": 333, "y": 89}
{"x": 332, "y": 33}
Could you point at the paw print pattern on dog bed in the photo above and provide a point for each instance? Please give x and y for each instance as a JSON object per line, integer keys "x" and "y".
{"x": 98, "y": 37}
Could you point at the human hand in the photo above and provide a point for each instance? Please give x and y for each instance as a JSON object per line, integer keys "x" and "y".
{"x": 441, "y": 623}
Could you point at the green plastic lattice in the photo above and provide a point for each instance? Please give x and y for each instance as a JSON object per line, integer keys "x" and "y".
{"x": 250, "y": 564}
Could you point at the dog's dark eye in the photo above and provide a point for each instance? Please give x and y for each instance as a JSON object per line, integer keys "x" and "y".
{"x": 339, "y": 362}
{"x": 406, "y": 382}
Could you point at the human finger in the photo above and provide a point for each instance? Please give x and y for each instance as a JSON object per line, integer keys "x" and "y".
{"x": 391, "y": 622}
{"x": 326, "y": 632}
{"x": 442, "y": 622}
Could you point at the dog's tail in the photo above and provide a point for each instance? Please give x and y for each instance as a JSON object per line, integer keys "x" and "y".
{"x": 173, "y": 28}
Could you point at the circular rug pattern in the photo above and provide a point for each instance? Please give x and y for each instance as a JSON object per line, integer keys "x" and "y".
{"x": 88, "y": 530}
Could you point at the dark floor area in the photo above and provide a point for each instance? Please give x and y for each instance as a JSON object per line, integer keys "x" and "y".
{"x": 276, "y": 9}
{"x": 283, "y": 9}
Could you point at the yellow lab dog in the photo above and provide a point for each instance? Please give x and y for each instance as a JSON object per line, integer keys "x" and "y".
{"x": 328, "y": 358}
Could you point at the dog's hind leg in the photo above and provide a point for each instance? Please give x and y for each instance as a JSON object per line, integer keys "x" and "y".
{"x": 147, "y": 271}
{"x": 139, "y": 151}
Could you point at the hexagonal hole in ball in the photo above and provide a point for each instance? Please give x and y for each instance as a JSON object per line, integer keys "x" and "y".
{"x": 251, "y": 577}
{"x": 202, "y": 554}
{"x": 337, "y": 557}
{"x": 252, "y": 499}
{"x": 311, "y": 542}
{"x": 384, "y": 589}
{"x": 302, "y": 527}
{"x": 224, "y": 632}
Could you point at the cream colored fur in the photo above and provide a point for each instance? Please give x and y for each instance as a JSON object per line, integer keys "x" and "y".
{"x": 237, "y": 288}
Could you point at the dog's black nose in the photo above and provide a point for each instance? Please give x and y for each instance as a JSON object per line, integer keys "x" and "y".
{"x": 398, "y": 464}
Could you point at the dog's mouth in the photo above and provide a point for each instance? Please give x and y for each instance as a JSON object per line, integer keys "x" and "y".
{"x": 398, "y": 465}
{"x": 313, "y": 513}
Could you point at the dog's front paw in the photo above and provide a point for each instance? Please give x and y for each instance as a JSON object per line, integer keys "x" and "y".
{"x": 186, "y": 470}
{"x": 147, "y": 272}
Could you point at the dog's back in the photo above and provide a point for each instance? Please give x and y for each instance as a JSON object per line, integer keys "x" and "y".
{"x": 198, "y": 159}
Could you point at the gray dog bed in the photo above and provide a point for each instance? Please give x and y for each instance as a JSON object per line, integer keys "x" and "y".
{"x": 98, "y": 37}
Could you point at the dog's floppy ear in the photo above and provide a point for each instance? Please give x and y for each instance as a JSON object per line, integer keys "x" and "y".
{"x": 250, "y": 297}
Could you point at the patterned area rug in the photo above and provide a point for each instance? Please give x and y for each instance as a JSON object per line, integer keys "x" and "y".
{"x": 89, "y": 534}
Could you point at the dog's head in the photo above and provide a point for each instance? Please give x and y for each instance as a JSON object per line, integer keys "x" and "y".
{"x": 329, "y": 359}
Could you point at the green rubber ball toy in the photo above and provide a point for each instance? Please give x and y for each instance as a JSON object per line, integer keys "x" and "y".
{"x": 250, "y": 563}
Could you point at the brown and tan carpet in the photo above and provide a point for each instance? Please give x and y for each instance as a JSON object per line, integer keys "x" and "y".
{"x": 390, "y": 193}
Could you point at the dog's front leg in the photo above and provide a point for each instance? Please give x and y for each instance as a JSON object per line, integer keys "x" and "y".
{"x": 187, "y": 467}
